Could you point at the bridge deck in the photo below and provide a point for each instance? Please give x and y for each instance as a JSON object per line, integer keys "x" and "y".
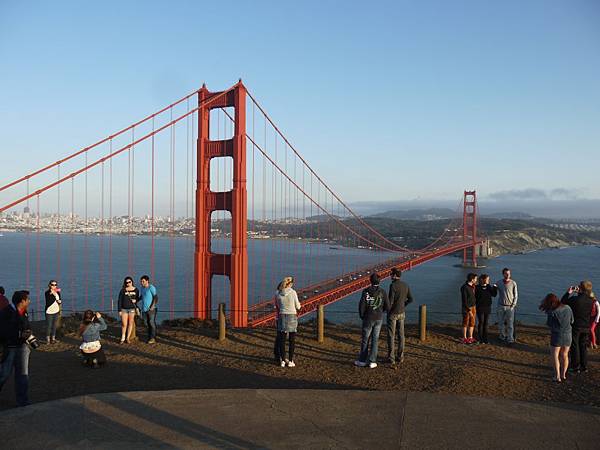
{"x": 330, "y": 291}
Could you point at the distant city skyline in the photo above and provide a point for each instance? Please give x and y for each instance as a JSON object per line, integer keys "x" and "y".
{"x": 397, "y": 101}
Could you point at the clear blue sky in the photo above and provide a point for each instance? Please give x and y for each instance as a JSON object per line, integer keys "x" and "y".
{"x": 387, "y": 100}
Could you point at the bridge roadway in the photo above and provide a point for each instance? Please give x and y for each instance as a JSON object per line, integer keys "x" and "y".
{"x": 332, "y": 290}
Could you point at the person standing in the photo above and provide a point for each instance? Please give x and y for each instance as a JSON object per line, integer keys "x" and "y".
{"x": 483, "y": 306}
{"x": 594, "y": 321}
{"x": 468, "y": 302}
{"x": 288, "y": 307}
{"x": 508, "y": 296}
{"x": 128, "y": 297}
{"x": 16, "y": 331}
{"x": 53, "y": 302}
{"x": 399, "y": 297}
{"x": 373, "y": 303}
{"x": 560, "y": 321}
{"x": 148, "y": 307}
{"x": 3, "y": 300}
{"x": 579, "y": 298}
{"x": 4, "y": 303}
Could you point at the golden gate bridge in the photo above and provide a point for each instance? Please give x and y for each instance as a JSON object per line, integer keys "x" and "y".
{"x": 212, "y": 158}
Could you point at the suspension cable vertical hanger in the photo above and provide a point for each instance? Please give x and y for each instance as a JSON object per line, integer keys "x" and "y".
{"x": 235, "y": 264}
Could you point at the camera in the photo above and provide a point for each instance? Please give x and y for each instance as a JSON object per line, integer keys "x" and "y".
{"x": 32, "y": 342}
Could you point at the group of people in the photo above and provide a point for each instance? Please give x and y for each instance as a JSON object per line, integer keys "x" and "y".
{"x": 572, "y": 321}
{"x": 476, "y": 304}
{"x": 373, "y": 304}
{"x": 17, "y": 339}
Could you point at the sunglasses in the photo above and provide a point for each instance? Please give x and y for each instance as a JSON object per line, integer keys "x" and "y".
{"x": 129, "y": 282}
{"x": 53, "y": 284}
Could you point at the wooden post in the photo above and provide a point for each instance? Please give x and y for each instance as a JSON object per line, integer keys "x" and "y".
{"x": 321, "y": 324}
{"x": 423, "y": 323}
{"x": 222, "y": 320}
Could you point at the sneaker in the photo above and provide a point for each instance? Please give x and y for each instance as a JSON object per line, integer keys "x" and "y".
{"x": 291, "y": 364}
{"x": 282, "y": 363}
{"x": 466, "y": 341}
{"x": 473, "y": 341}
{"x": 372, "y": 365}
{"x": 152, "y": 341}
{"x": 583, "y": 369}
{"x": 360, "y": 363}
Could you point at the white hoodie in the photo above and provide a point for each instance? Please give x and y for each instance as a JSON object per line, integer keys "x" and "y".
{"x": 287, "y": 301}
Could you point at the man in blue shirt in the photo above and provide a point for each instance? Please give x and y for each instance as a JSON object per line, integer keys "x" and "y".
{"x": 147, "y": 305}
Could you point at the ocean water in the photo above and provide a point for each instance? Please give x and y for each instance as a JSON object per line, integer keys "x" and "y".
{"x": 90, "y": 279}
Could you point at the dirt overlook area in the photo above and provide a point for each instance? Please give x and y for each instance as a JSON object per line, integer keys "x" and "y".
{"x": 187, "y": 355}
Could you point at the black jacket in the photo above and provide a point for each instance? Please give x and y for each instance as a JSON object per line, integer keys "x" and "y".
{"x": 126, "y": 299}
{"x": 50, "y": 298}
{"x": 373, "y": 302}
{"x": 14, "y": 328}
{"x": 581, "y": 305}
{"x": 483, "y": 296}
{"x": 399, "y": 297}
{"x": 467, "y": 294}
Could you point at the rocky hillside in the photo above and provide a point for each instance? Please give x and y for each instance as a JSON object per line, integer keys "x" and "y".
{"x": 529, "y": 239}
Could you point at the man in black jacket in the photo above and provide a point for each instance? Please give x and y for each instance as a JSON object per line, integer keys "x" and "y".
{"x": 399, "y": 297}
{"x": 373, "y": 303}
{"x": 15, "y": 329}
{"x": 581, "y": 302}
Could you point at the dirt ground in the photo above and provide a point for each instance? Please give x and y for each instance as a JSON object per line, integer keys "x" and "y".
{"x": 188, "y": 356}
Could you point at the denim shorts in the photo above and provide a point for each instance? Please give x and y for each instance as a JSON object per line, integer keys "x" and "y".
{"x": 128, "y": 311}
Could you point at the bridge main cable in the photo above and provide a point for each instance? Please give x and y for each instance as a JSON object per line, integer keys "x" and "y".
{"x": 358, "y": 218}
{"x": 90, "y": 147}
{"x": 112, "y": 154}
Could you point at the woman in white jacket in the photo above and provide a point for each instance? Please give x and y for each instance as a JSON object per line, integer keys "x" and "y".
{"x": 287, "y": 320}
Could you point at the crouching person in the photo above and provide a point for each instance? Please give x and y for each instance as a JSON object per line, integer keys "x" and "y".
{"x": 91, "y": 348}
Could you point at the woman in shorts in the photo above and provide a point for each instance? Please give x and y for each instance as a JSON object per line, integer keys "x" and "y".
{"x": 560, "y": 319}
{"x": 128, "y": 298}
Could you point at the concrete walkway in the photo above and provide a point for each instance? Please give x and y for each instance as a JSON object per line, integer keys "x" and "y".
{"x": 247, "y": 418}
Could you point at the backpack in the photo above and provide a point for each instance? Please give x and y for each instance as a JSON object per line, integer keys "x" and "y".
{"x": 375, "y": 302}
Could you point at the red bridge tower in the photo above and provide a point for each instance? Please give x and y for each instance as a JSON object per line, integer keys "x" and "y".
{"x": 470, "y": 228}
{"x": 207, "y": 263}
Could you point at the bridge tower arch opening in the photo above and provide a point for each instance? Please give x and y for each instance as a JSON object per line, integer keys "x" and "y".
{"x": 206, "y": 263}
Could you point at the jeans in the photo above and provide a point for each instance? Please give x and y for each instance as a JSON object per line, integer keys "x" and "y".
{"x": 370, "y": 329}
{"x": 482, "y": 326}
{"x": 579, "y": 348}
{"x": 51, "y": 321}
{"x": 150, "y": 321}
{"x": 395, "y": 321}
{"x": 17, "y": 358}
{"x": 506, "y": 320}
{"x": 280, "y": 343}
